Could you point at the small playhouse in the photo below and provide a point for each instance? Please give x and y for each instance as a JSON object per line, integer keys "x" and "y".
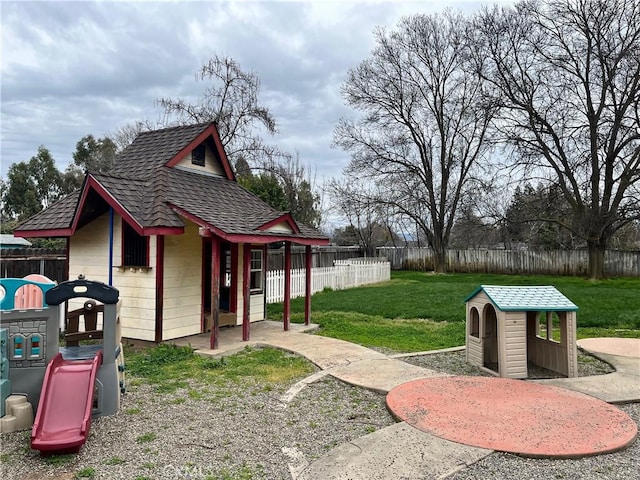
{"x": 512, "y": 327}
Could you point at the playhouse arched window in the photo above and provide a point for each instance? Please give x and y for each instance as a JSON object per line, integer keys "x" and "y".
{"x": 475, "y": 322}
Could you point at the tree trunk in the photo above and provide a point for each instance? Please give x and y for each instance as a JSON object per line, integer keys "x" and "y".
{"x": 596, "y": 259}
{"x": 439, "y": 260}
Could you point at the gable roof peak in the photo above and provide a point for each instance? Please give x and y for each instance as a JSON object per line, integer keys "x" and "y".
{"x": 156, "y": 148}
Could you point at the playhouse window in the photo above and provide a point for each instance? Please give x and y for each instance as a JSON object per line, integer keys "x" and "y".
{"x": 475, "y": 322}
{"x": 256, "y": 271}
{"x": 135, "y": 248}
{"x": 226, "y": 264}
{"x": 198, "y": 155}
{"x": 548, "y": 327}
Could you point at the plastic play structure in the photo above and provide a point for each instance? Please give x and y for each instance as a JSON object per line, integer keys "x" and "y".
{"x": 66, "y": 385}
{"x": 510, "y": 327}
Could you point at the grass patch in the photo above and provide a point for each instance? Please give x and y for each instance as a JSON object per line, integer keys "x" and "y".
{"x": 167, "y": 366}
{"x": 87, "y": 472}
{"x": 399, "y": 335}
{"x": 391, "y": 314}
{"x": 603, "y": 303}
{"x": 242, "y": 473}
{"x": 593, "y": 332}
{"x": 146, "y": 437}
{"x": 57, "y": 460}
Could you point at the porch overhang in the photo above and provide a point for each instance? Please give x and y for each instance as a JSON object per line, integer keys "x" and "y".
{"x": 207, "y": 229}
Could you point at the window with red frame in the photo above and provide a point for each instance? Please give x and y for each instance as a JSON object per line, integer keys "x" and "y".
{"x": 135, "y": 248}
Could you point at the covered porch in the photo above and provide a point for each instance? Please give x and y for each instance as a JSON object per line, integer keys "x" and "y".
{"x": 231, "y": 338}
{"x": 234, "y": 282}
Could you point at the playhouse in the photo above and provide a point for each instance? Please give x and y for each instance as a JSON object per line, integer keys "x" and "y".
{"x": 512, "y": 327}
{"x": 66, "y": 385}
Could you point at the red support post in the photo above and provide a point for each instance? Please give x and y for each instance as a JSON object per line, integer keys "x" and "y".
{"x": 159, "y": 328}
{"x": 246, "y": 290}
{"x": 307, "y": 297}
{"x": 215, "y": 292}
{"x": 287, "y": 285}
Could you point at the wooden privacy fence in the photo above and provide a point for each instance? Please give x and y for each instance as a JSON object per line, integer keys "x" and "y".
{"x": 545, "y": 262}
{"x": 344, "y": 274}
{"x": 20, "y": 262}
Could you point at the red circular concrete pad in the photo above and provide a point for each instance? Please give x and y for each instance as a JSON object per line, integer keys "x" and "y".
{"x": 514, "y": 416}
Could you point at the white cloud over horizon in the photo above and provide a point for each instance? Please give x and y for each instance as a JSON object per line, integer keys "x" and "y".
{"x": 69, "y": 69}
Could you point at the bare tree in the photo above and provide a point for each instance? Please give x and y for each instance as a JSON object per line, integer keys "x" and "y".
{"x": 231, "y": 100}
{"x": 125, "y": 135}
{"x": 423, "y": 125}
{"x": 357, "y": 202}
{"x": 567, "y": 80}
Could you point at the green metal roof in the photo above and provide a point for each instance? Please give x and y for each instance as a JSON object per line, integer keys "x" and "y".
{"x": 521, "y": 298}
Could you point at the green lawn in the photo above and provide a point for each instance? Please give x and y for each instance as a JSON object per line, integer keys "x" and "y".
{"x": 169, "y": 367}
{"x": 422, "y": 311}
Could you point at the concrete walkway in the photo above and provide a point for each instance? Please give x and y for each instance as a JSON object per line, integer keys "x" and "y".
{"x": 621, "y": 386}
{"x": 401, "y": 451}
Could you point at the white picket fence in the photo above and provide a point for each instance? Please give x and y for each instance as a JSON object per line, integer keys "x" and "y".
{"x": 344, "y": 274}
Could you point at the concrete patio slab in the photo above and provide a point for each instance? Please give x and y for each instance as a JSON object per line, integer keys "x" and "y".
{"x": 513, "y": 416}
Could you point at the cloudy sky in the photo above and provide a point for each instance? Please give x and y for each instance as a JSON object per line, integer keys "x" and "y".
{"x": 74, "y": 68}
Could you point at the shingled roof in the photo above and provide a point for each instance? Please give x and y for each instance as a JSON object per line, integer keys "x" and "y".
{"x": 154, "y": 149}
{"x": 147, "y": 189}
{"x": 509, "y": 298}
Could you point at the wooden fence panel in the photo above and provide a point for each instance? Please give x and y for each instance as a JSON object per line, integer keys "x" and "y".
{"x": 18, "y": 263}
{"x": 523, "y": 262}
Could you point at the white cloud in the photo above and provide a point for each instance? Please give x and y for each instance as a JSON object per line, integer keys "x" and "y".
{"x": 75, "y": 68}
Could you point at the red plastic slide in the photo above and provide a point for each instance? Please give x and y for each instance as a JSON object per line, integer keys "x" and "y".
{"x": 66, "y": 400}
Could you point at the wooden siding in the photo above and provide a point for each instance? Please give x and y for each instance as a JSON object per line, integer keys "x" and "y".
{"x": 182, "y": 283}
{"x": 282, "y": 227}
{"x": 211, "y": 164}
{"x": 89, "y": 249}
{"x": 89, "y": 255}
{"x": 137, "y": 289}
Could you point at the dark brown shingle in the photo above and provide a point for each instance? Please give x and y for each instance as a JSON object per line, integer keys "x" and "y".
{"x": 146, "y": 188}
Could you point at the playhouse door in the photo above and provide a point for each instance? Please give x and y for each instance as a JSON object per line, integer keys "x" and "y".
{"x": 225, "y": 278}
{"x": 490, "y": 339}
